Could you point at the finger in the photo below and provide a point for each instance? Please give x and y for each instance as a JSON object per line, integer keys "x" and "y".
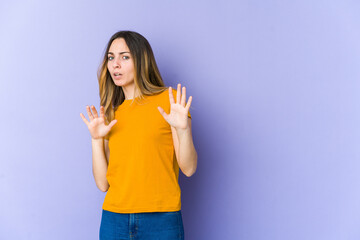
{"x": 178, "y": 93}
{"x": 183, "y": 97}
{"x": 102, "y": 114}
{"x": 91, "y": 117}
{"x": 112, "y": 123}
{"x": 163, "y": 113}
{"x": 84, "y": 119}
{"x": 187, "y": 107}
{"x": 171, "y": 96}
{"x": 95, "y": 112}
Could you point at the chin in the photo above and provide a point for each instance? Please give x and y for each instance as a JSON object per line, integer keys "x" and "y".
{"x": 120, "y": 83}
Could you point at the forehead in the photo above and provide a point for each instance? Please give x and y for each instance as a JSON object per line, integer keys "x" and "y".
{"x": 118, "y": 45}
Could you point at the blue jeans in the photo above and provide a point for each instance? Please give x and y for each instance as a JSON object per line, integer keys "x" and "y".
{"x": 138, "y": 226}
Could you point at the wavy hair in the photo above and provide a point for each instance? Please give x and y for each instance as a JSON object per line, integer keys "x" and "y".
{"x": 147, "y": 78}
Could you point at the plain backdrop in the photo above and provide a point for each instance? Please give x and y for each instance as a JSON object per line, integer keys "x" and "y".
{"x": 275, "y": 114}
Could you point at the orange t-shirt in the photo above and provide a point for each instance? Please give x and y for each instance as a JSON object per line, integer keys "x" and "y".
{"x": 143, "y": 171}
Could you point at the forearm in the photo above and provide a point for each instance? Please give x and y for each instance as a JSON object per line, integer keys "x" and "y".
{"x": 187, "y": 152}
{"x": 99, "y": 164}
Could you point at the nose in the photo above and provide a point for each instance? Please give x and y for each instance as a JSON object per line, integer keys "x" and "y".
{"x": 116, "y": 63}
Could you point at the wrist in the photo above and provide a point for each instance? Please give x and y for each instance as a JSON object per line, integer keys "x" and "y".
{"x": 182, "y": 131}
{"x": 97, "y": 139}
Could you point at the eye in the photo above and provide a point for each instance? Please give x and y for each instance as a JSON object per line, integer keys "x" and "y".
{"x": 109, "y": 57}
{"x": 126, "y": 57}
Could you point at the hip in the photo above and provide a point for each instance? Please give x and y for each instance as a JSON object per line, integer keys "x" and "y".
{"x": 144, "y": 225}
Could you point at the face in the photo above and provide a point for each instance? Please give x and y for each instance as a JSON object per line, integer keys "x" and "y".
{"x": 120, "y": 63}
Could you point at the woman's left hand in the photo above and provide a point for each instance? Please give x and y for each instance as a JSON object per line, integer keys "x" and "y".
{"x": 178, "y": 116}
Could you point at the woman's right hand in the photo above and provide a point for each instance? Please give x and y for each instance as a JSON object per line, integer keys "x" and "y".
{"x": 97, "y": 126}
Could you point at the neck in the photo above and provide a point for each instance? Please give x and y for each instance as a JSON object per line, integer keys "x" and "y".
{"x": 129, "y": 91}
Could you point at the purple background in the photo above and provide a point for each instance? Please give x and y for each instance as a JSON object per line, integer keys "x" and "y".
{"x": 275, "y": 111}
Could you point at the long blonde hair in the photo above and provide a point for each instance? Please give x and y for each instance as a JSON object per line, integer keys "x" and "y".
{"x": 147, "y": 78}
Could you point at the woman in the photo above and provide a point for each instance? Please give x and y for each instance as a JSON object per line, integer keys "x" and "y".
{"x": 137, "y": 147}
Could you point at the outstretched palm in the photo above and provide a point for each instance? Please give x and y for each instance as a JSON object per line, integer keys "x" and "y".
{"x": 96, "y": 125}
{"x": 178, "y": 116}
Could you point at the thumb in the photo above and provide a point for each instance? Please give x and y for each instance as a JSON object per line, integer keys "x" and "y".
{"x": 163, "y": 113}
{"x": 112, "y": 123}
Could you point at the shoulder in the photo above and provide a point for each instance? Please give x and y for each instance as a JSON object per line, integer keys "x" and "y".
{"x": 173, "y": 90}
{"x": 166, "y": 94}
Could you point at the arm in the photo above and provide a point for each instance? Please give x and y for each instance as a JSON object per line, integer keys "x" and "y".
{"x": 107, "y": 150}
{"x": 184, "y": 149}
{"x": 100, "y": 163}
{"x": 180, "y": 124}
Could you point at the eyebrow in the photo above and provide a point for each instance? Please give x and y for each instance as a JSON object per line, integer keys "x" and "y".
{"x": 120, "y": 53}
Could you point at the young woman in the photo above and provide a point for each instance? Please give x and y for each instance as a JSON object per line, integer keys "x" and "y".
{"x": 137, "y": 147}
